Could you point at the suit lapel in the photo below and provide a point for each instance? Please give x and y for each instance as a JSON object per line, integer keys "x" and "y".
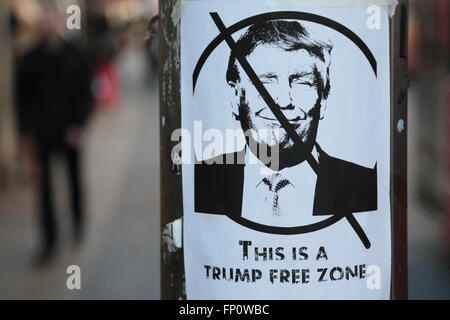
{"x": 343, "y": 187}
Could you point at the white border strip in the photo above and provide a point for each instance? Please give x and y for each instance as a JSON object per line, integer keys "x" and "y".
{"x": 389, "y": 5}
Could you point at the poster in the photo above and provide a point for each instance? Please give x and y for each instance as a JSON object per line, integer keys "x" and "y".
{"x": 285, "y": 151}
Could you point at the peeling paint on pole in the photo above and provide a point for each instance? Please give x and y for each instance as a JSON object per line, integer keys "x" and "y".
{"x": 172, "y": 264}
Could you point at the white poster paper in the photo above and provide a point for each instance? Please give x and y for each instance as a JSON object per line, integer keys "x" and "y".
{"x": 285, "y": 116}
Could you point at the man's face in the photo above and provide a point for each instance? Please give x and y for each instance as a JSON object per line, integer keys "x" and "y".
{"x": 291, "y": 79}
{"x": 52, "y": 23}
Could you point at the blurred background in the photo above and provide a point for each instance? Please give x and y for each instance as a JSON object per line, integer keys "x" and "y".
{"x": 116, "y": 144}
{"x": 429, "y": 150}
{"x": 119, "y": 150}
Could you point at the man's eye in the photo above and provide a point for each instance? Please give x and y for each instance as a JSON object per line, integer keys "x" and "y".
{"x": 303, "y": 82}
{"x": 266, "y": 80}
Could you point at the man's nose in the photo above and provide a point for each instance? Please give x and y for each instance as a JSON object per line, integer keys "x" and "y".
{"x": 283, "y": 97}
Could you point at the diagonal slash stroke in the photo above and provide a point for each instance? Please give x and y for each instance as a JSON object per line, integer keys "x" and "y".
{"x": 279, "y": 115}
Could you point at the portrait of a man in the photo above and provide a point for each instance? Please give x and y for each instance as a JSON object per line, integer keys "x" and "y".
{"x": 294, "y": 67}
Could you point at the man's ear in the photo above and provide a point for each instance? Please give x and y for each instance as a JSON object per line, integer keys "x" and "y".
{"x": 323, "y": 108}
{"x": 234, "y": 97}
{"x": 233, "y": 86}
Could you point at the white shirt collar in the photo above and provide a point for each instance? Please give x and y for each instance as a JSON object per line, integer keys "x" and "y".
{"x": 298, "y": 201}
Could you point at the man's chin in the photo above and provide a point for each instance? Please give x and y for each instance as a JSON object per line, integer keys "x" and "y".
{"x": 284, "y": 158}
{"x": 292, "y": 156}
{"x": 289, "y": 159}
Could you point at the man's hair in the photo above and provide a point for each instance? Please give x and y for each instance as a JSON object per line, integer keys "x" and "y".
{"x": 287, "y": 35}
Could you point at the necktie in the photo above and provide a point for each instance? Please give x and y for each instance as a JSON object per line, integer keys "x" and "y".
{"x": 275, "y": 184}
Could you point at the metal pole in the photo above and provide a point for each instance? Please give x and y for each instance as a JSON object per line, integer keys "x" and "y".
{"x": 399, "y": 129}
{"x": 172, "y": 265}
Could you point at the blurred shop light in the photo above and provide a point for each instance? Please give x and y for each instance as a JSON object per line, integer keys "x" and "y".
{"x": 128, "y": 10}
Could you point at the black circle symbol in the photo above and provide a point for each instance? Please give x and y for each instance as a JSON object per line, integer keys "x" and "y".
{"x": 225, "y": 35}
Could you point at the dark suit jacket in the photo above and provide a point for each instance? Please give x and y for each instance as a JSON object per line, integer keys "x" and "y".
{"x": 341, "y": 187}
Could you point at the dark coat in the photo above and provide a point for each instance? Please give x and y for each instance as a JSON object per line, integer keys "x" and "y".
{"x": 53, "y": 90}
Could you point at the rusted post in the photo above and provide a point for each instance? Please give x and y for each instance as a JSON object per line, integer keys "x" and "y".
{"x": 172, "y": 265}
{"x": 399, "y": 129}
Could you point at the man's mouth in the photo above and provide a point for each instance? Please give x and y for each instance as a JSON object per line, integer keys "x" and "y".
{"x": 270, "y": 117}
